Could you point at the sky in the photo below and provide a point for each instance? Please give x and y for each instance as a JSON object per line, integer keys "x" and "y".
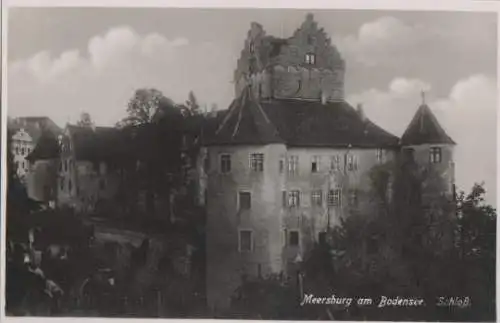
{"x": 64, "y": 61}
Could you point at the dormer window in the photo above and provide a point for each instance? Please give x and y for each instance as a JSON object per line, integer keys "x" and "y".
{"x": 310, "y": 58}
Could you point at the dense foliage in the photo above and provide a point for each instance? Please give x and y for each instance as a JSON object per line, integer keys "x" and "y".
{"x": 406, "y": 248}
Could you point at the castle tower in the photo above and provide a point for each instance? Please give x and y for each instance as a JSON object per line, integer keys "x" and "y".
{"x": 243, "y": 184}
{"x": 304, "y": 66}
{"x": 432, "y": 150}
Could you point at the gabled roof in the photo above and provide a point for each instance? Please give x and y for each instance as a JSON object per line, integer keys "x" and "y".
{"x": 424, "y": 128}
{"x": 298, "y": 123}
{"x": 94, "y": 144}
{"x": 34, "y": 126}
{"x": 47, "y": 147}
{"x": 245, "y": 123}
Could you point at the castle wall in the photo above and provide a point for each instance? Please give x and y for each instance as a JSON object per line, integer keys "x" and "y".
{"x": 270, "y": 219}
{"x": 440, "y": 177}
{"x": 89, "y": 184}
{"x": 282, "y": 71}
{"x": 310, "y": 219}
{"x": 225, "y": 263}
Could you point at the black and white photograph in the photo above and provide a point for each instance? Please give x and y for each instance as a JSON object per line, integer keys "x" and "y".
{"x": 250, "y": 163}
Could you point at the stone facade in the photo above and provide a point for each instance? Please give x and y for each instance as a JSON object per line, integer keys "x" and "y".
{"x": 22, "y": 145}
{"x": 305, "y": 66}
{"x": 265, "y": 222}
{"x": 83, "y": 183}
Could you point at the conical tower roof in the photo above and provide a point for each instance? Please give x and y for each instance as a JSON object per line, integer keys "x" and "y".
{"x": 246, "y": 123}
{"x": 424, "y": 128}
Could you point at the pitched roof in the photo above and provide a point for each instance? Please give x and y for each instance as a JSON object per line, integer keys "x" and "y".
{"x": 95, "y": 144}
{"x": 245, "y": 123}
{"x": 424, "y": 128}
{"x": 35, "y": 126}
{"x": 299, "y": 123}
{"x": 47, "y": 147}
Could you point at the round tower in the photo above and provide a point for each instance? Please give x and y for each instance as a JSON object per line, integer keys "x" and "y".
{"x": 426, "y": 142}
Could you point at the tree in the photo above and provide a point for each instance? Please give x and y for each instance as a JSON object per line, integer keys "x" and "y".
{"x": 192, "y": 104}
{"x": 402, "y": 248}
{"x": 85, "y": 120}
{"x": 146, "y": 107}
{"x": 153, "y": 130}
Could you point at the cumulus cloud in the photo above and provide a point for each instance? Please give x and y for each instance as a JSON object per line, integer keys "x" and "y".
{"x": 468, "y": 114}
{"x": 383, "y": 40}
{"x": 101, "y": 79}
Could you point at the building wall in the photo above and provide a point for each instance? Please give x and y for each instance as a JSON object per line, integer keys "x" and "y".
{"x": 90, "y": 183}
{"x": 286, "y": 74}
{"x": 225, "y": 263}
{"x": 41, "y": 181}
{"x": 81, "y": 183}
{"x": 310, "y": 219}
{"x": 269, "y": 218}
{"x": 22, "y": 145}
{"x": 440, "y": 176}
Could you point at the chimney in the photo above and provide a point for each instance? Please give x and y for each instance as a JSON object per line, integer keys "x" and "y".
{"x": 361, "y": 113}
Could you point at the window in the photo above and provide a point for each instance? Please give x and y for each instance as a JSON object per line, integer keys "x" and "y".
{"x": 281, "y": 165}
{"x": 294, "y": 198}
{"x": 322, "y": 238}
{"x": 257, "y": 162}
{"x": 225, "y": 163}
{"x": 335, "y": 163}
{"x": 380, "y": 156}
{"x": 408, "y": 153}
{"x": 353, "y": 198}
{"x": 17, "y": 150}
{"x": 284, "y": 198}
{"x": 352, "y": 163}
{"x": 244, "y": 200}
{"x": 246, "y": 241}
{"x": 293, "y": 238}
{"x": 315, "y": 164}
{"x": 22, "y": 151}
{"x": 62, "y": 184}
{"x": 206, "y": 163}
{"x": 316, "y": 198}
{"x": 310, "y": 58}
{"x": 252, "y": 47}
{"x": 293, "y": 164}
{"x": 435, "y": 155}
{"x": 334, "y": 197}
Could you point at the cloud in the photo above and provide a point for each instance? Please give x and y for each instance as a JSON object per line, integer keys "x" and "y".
{"x": 101, "y": 79}
{"x": 468, "y": 114}
{"x": 383, "y": 40}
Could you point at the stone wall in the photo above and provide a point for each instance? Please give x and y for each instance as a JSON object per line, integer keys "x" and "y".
{"x": 279, "y": 69}
{"x": 309, "y": 219}
{"x": 225, "y": 263}
{"x": 270, "y": 220}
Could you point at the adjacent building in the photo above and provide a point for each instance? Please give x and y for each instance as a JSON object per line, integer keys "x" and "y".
{"x": 26, "y": 132}
{"x": 290, "y": 157}
{"x": 86, "y": 172}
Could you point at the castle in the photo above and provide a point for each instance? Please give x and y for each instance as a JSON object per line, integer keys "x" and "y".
{"x": 290, "y": 157}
